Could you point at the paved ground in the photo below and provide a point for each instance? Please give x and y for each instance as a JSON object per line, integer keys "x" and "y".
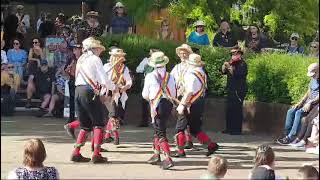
{"x": 128, "y": 160}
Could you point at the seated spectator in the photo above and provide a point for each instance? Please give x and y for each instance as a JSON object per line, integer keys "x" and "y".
{"x": 306, "y": 128}
{"x": 308, "y": 172}
{"x": 294, "y": 47}
{"x": 58, "y": 96}
{"x": 33, "y": 168}
{"x": 314, "y": 49}
{"x": 10, "y": 82}
{"x": 224, "y": 37}
{"x": 264, "y": 162}
{"x": 255, "y": 41}
{"x": 3, "y": 53}
{"x": 165, "y": 33}
{"x": 199, "y": 36}
{"x": 314, "y": 138}
{"x": 294, "y": 114}
{"x": 120, "y": 23}
{"x": 47, "y": 27}
{"x": 217, "y": 168}
{"x": 17, "y": 57}
{"x": 60, "y": 23}
{"x": 44, "y": 82}
{"x": 92, "y": 26}
{"x": 61, "y": 55}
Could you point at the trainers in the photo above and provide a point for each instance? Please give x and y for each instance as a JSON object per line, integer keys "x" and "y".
{"x": 108, "y": 140}
{"x": 179, "y": 155}
{"x": 70, "y": 131}
{"x": 301, "y": 143}
{"x": 79, "y": 158}
{"x": 212, "y": 149}
{"x": 284, "y": 141}
{"x": 155, "y": 159}
{"x": 167, "y": 163}
{"x": 116, "y": 141}
{"x": 48, "y": 114}
{"x": 189, "y": 145}
{"x": 96, "y": 159}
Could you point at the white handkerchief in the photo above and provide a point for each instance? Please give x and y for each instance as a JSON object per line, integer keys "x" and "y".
{"x": 116, "y": 98}
{"x": 123, "y": 99}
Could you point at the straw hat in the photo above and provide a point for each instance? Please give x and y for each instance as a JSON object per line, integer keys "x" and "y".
{"x": 92, "y": 14}
{"x": 236, "y": 49}
{"x": 195, "y": 60}
{"x": 199, "y": 23}
{"x": 92, "y": 43}
{"x": 312, "y": 69}
{"x": 118, "y": 4}
{"x": 158, "y": 59}
{"x": 117, "y": 52}
{"x": 184, "y": 47}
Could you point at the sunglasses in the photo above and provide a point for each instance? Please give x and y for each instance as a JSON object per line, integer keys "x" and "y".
{"x": 35, "y": 42}
{"x": 294, "y": 39}
{"x": 10, "y": 67}
{"x": 314, "y": 47}
{"x": 16, "y": 43}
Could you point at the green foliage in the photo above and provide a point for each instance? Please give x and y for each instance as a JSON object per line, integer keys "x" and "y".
{"x": 276, "y": 78}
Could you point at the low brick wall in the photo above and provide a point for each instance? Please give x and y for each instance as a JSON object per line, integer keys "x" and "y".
{"x": 259, "y": 117}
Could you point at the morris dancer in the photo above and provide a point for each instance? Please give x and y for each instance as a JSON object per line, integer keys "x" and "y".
{"x": 118, "y": 73}
{"x": 178, "y": 72}
{"x": 90, "y": 81}
{"x": 191, "y": 106}
{"x": 159, "y": 90}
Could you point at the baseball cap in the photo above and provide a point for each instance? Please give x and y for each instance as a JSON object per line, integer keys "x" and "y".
{"x": 295, "y": 35}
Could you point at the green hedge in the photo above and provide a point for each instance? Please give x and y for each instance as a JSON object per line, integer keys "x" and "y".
{"x": 272, "y": 77}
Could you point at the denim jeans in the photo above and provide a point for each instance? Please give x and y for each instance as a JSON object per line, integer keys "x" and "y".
{"x": 18, "y": 68}
{"x": 293, "y": 121}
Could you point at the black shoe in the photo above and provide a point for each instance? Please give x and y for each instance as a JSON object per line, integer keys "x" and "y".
{"x": 116, "y": 141}
{"x": 28, "y": 104}
{"x": 79, "y": 158}
{"x": 101, "y": 149}
{"x": 284, "y": 141}
{"x": 143, "y": 125}
{"x": 70, "y": 131}
{"x": 108, "y": 140}
{"x": 179, "y": 155}
{"x": 155, "y": 159}
{"x": 167, "y": 163}
{"x": 213, "y": 149}
{"x": 41, "y": 112}
{"x": 96, "y": 159}
{"x": 226, "y": 132}
{"x": 189, "y": 145}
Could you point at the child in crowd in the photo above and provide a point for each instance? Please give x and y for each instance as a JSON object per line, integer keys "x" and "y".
{"x": 33, "y": 157}
{"x": 217, "y": 168}
{"x": 308, "y": 172}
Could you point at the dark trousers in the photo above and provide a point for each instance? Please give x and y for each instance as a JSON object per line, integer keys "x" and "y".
{"x": 145, "y": 111}
{"x": 194, "y": 119}
{"x": 163, "y": 112}
{"x": 8, "y": 103}
{"x": 234, "y": 113}
{"x": 116, "y": 111}
{"x": 306, "y": 124}
{"x": 89, "y": 111}
{"x": 72, "y": 88}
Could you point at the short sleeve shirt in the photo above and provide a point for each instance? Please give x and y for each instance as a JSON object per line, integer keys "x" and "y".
{"x": 224, "y": 40}
{"x": 314, "y": 89}
{"x": 120, "y": 25}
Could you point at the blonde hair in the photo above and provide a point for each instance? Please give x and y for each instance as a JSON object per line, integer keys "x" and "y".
{"x": 34, "y": 153}
{"x": 218, "y": 166}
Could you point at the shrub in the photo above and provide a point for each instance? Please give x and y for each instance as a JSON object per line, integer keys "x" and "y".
{"x": 272, "y": 77}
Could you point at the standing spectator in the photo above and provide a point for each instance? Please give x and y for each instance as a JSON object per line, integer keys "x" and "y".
{"x": 17, "y": 57}
{"x": 308, "y": 172}
{"x": 4, "y": 58}
{"x": 92, "y": 26}
{"x": 255, "y": 40}
{"x": 294, "y": 47}
{"x": 40, "y": 20}
{"x": 23, "y": 22}
{"x": 314, "y": 49}
{"x": 302, "y": 108}
{"x": 47, "y": 27}
{"x": 10, "y": 82}
{"x": 33, "y": 157}
{"x": 165, "y": 33}
{"x": 10, "y": 27}
{"x": 236, "y": 70}
{"x": 217, "y": 168}
{"x": 224, "y": 37}
{"x": 121, "y": 23}
{"x": 60, "y": 23}
{"x": 36, "y": 54}
{"x": 199, "y": 36}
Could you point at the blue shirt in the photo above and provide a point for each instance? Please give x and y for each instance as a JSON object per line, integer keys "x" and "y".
{"x": 295, "y": 50}
{"x": 17, "y": 57}
{"x": 314, "y": 89}
{"x": 201, "y": 40}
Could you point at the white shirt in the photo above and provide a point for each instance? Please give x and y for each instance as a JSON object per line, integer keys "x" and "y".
{"x": 25, "y": 20}
{"x": 142, "y": 65}
{"x": 4, "y": 57}
{"x": 178, "y": 72}
{"x": 93, "y": 67}
{"x": 39, "y": 22}
{"x": 193, "y": 84}
{"x": 126, "y": 75}
{"x": 151, "y": 84}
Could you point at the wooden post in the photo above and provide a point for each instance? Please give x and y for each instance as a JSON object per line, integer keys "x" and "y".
{"x": 83, "y": 4}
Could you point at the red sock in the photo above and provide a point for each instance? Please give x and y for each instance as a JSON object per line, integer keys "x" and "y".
{"x": 165, "y": 146}
{"x": 156, "y": 145}
{"x": 108, "y": 129}
{"x": 97, "y": 139}
{"x": 203, "y": 138}
{"x": 116, "y": 134}
{"x": 188, "y": 135}
{"x": 80, "y": 141}
{"x": 180, "y": 142}
{"x": 74, "y": 124}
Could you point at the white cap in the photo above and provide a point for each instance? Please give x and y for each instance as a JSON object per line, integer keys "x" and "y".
{"x": 312, "y": 69}
{"x": 295, "y": 35}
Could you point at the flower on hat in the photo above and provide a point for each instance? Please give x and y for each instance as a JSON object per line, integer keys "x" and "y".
{"x": 195, "y": 60}
{"x": 158, "y": 59}
{"x": 91, "y": 42}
